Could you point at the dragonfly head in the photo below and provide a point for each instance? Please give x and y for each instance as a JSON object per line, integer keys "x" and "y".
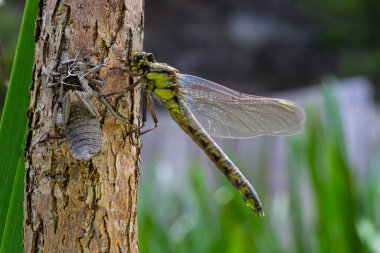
{"x": 144, "y": 63}
{"x": 140, "y": 59}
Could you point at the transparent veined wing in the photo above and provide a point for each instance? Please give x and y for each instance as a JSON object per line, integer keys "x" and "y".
{"x": 226, "y": 113}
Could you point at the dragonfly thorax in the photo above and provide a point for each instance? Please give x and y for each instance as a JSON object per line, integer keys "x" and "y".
{"x": 160, "y": 77}
{"x": 162, "y": 84}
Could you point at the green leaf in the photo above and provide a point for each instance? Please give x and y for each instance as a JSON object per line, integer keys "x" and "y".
{"x": 12, "y": 131}
{"x": 12, "y": 237}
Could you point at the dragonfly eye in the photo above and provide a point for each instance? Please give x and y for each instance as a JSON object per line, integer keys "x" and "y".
{"x": 139, "y": 57}
{"x": 150, "y": 57}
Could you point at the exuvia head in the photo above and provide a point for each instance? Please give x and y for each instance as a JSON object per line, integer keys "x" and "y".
{"x": 140, "y": 58}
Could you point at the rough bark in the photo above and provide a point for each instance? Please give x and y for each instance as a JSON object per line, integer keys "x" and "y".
{"x": 69, "y": 205}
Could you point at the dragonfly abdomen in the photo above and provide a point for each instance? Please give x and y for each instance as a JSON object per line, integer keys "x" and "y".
{"x": 182, "y": 115}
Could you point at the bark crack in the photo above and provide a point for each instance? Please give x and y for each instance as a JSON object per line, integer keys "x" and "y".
{"x": 50, "y": 176}
{"x": 38, "y": 238}
{"x": 130, "y": 201}
{"x": 92, "y": 197}
{"x": 39, "y": 19}
{"x": 62, "y": 33}
{"x": 120, "y": 14}
{"x": 56, "y": 6}
{"x": 128, "y": 44}
{"x": 95, "y": 33}
{"x": 104, "y": 235}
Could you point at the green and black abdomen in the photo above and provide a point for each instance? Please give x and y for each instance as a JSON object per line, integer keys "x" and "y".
{"x": 181, "y": 114}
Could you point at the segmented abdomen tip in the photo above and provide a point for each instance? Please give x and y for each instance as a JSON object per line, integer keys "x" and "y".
{"x": 260, "y": 212}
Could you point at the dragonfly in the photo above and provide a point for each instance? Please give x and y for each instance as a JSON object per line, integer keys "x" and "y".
{"x": 204, "y": 109}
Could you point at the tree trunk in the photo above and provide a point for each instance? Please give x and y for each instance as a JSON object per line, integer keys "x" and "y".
{"x": 70, "y": 205}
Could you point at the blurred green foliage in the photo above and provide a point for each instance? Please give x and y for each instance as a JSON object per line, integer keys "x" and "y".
{"x": 9, "y": 29}
{"x": 10, "y": 20}
{"x": 325, "y": 209}
{"x": 348, "y": 30}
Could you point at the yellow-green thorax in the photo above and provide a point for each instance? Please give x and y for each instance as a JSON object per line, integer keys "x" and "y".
{"x": 160, "y": 77}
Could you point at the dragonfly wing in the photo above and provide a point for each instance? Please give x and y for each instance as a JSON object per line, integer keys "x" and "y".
{"x": 226, "y": 113}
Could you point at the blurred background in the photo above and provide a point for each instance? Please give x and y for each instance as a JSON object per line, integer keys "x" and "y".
{"x": 320, "y": 189}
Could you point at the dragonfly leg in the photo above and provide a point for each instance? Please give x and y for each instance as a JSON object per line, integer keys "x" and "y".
{"x": 102, "y": 97}
{"x": 152, "y": 112}
{"x": 86, "y": 102}
{"x": 125, "y": 70}
{"x": 52, "y": 85}
{"x": 114, "y": 113}
{"x": 146, "y": 101}
{"x": 92, "y": 70}
{"x": 144, "y": 110}
{"x": 129, "y": 88}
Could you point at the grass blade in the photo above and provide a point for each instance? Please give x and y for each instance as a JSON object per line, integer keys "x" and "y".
{"x": 13, "y": 127}
{"x": 12, "y": 237}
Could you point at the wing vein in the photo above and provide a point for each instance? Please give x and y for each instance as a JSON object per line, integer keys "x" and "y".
{"x": 223, "y": 112}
